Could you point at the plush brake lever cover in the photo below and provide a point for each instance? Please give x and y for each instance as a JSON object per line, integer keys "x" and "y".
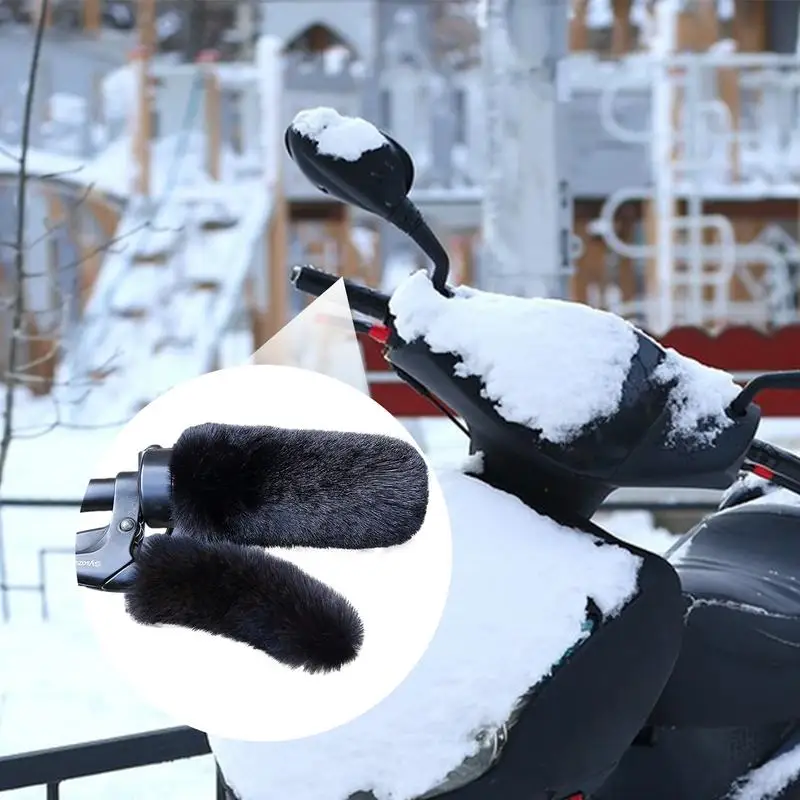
{"x": 278, "y": 487}
{"x": 246, "y": 595}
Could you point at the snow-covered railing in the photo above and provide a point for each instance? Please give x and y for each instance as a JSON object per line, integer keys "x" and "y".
{"x": 50, "y": 768}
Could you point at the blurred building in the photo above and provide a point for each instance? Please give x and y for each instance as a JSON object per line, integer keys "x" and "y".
{"x": 733, "y": 162}
{"x": 684, "y": 166}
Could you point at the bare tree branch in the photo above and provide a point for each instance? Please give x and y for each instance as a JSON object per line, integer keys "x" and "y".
{"x": 9, "y": 154}
{"x": 105, "y": 247}
{"x": 18, "y": 308}
{"x": 64, "y": 222}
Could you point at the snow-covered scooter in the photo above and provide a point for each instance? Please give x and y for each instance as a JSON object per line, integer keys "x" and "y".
{"x": 690, "y": 690}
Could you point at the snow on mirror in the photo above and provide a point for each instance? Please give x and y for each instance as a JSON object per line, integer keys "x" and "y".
{"x": 336, "y": 135}
{"x": 551, "y": 365}
{"x": 350, "y": 159}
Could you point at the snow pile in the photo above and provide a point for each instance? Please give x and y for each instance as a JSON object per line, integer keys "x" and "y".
{"x": 769, "y": 781}
{"x": 342, "y": 137}
{"x": 517, "y": 604}
{"x": 699, "y": 398}
{"x": 473, "y": 464}
{"x": 56, "y": 672}
{"x": 551, "y": 365}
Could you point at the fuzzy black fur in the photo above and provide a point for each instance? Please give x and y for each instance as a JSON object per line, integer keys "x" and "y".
{"x": 276, "y": 487}
{"x": 244, "y": 594}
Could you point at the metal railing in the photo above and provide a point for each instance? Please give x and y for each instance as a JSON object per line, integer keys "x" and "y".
{"x": 42, "y": 556}
{"x": 51, "y": 768}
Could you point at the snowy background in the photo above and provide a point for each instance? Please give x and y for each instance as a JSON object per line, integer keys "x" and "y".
{"x": 55, "y": 685}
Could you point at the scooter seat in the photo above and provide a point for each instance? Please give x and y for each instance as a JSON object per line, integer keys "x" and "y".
{"x": 740, "y": 658}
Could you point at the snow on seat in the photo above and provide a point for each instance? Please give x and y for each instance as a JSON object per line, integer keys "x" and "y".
{"x": 517, "y": 604}
{"x": 554, "y": 366}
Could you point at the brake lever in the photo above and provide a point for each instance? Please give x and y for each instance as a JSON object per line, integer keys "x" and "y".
{"x": 105, "y": 558}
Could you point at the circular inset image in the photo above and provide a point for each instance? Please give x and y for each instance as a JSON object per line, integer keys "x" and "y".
{"x": 277, "y": 555}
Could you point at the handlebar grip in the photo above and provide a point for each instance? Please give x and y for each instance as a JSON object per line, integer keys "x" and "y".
{"x": 369, "y": 302}
{"x": 775, "y": 458}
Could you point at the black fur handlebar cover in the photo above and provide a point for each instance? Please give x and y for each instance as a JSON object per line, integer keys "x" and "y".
{"x": 246, "y": 595}
{"x": 279, "y": 487}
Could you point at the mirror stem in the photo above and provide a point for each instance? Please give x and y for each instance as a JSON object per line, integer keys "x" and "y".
{"x": 770, "y": 380}
{"x": 409, "y": 220}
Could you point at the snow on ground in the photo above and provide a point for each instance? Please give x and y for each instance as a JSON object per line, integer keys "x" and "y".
{"x": 47, "y": 461}
{"x": 56, "y": 687}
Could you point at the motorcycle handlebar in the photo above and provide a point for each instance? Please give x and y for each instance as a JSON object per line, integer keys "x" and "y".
{"x": 369, "y": 302}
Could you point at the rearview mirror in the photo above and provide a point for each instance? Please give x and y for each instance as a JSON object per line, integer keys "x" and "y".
{"x": 351, "y": 160}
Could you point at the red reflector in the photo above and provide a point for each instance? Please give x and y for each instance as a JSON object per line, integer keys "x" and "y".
{"x": 576, "y": 796}
{"x": 380, "y": 333}
{"x": 762, "y": 472}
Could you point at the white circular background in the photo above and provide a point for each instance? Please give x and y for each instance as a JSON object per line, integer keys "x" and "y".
{"x": 226, "y": 688}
